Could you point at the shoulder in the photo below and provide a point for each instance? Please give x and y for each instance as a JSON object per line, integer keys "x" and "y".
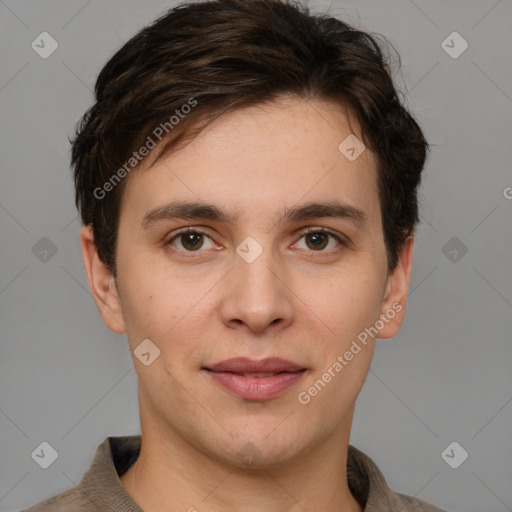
{"x": 100, "y": 488}
{"x": 369, "y": 486}
{"x": 67, "y": 501}
{"x": 410, "y": 504}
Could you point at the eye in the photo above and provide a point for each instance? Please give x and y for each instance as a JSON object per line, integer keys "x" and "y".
{"x": 191, "y": 240}
{"x": 318, "y": 239}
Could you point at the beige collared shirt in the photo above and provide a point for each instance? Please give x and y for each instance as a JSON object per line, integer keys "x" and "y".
{"x": 100, "y": 489}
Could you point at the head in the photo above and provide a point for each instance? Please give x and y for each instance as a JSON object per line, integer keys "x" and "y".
{"x": 242, "y": 108}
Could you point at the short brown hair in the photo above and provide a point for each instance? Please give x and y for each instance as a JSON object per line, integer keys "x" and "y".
{"x": 226, "y": 54}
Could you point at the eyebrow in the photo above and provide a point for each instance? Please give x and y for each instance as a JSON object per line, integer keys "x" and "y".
{"x": 197, "y": 210}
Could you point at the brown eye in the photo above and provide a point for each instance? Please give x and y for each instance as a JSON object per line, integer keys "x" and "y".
{"x": 317, "y": 240}
{"x": 190, "y": 241}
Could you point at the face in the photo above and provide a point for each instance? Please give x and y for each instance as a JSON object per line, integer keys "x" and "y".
{"x": 286, "y": 259}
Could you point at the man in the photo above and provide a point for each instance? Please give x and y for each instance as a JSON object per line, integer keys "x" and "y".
{"x": 247, "y": 181}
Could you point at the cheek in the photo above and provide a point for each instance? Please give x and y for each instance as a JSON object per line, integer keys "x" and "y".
{"x": 347, "y": 302}
{"x": 331, "y": 394}
{"x": 343, "y": 357}
{"x": 152, "y": 303}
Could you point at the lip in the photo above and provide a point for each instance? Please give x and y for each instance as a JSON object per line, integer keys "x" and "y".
{"x": 229, "y": 374}
{"x": 246, "y": 365}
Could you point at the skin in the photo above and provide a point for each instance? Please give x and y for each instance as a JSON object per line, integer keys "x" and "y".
{"x": 294, "y": 301}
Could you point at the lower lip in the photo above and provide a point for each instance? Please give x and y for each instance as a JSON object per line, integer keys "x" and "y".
{"x": 256, "y": 388}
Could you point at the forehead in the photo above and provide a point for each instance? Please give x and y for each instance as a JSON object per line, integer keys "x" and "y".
{"x": 257, "y": 159}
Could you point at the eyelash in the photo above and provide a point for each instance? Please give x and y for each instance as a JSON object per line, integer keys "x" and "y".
{"x": 187, "y": 230}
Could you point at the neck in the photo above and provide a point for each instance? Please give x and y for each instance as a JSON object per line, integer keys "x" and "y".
{"x": 171, "y": 475}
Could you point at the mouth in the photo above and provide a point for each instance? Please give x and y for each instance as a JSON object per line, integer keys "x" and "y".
{"x": 255, "y": 380}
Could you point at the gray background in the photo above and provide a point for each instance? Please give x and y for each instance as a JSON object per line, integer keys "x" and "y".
{"x": 446, "y": 377}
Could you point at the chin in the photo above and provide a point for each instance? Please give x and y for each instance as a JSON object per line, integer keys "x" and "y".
{"x": 261, "y": 446}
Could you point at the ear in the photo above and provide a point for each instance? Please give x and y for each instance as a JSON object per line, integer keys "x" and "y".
{"x": 397, "y": 286}
{"x": 102, "y": 283}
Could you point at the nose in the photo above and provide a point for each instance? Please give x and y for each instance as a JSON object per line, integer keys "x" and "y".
{"x": 257, "y": 295}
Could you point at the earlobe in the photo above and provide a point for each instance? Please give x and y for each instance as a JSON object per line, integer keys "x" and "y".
{"x": 397, "y": 287}
{"x": 102, "y": 283}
